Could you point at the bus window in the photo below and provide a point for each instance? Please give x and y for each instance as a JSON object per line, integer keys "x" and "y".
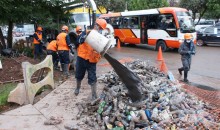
{"x": 162, "y": 23}
{"x": 171, "y": 23}
{"x": 166, "y": 21}
{"x": 152, "y": 24}
{"x": 134, "y": 22}
{"x": 114, "y": 22}
{"x": 185, "y": 22}
{"x": 129, "y": 22}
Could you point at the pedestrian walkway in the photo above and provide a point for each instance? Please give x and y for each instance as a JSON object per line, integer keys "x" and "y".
{"x": 59, "y": 104}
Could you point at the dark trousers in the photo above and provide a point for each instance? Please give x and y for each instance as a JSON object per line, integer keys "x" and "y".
{"x": 55, "y": 56}
{"x": 38, "y": 50}
{"x": 64, "y": 57}
{"x": 82, "y": 66}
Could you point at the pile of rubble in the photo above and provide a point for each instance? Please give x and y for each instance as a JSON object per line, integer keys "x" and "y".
{"x": 165, "y": 105}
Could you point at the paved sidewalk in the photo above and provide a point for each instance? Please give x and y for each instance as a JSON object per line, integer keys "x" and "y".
{"x": 60, "y": 103}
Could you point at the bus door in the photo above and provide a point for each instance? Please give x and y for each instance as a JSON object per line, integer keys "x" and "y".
{"x": 144, "y": 27}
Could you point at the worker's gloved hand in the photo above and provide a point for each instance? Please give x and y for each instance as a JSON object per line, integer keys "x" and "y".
{"x": 193, "y": 52}
{"x": 189, "y": 52}
{"x": 41, "y": 42}
{"x": 83, "y": 38}
{"x": 72, "y": 47}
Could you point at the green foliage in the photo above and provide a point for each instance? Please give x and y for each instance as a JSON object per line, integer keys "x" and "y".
{"x": 213, "y": 11}
{"x": 28, "y": 52}
{"x": 146, "y": 4}
{"x": 209, "y": 8}
{"x": 120, "y": 5}
{"x": 4, "y": 92}
{"x": 39, "y": 12}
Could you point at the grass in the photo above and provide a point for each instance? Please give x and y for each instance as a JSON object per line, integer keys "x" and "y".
{"x": 4, "y": 92}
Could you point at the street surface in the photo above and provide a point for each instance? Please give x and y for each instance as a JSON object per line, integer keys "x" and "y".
{"x": 204, "y": 67}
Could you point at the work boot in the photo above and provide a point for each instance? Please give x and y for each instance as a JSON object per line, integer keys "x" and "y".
{"x": 62, "y": 67}
{"x": 56, "y": 65}
{"x": 185, "y": 76}
{"x": 41, "y": 57}
{"x": 180, "y": 70}
{"x": 78, "y": 86}
{"x": 66, "y": 70}
{"x": 93, "y": 88}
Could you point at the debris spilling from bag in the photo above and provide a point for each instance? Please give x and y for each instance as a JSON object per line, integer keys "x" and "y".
{"x": 165, "y": 104}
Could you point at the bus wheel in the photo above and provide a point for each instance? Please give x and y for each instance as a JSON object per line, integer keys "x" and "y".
{"x": 163, "y": 46}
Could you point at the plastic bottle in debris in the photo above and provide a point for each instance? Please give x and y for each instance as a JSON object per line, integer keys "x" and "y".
{"x": 107, "y": 111}
{"x": 118, "y": 128}
{"x": 155, "y": 112}
{"x": 148, "y": 114}
{"x": 133, "y": 116}
{"x": 108, "y": 125}
{"x": 125, "y": 123}
{"x": 156, "y": 127}
{"x": 101, "y": 106}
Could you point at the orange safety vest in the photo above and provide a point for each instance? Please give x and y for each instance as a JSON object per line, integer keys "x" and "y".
{"x": 39, "y": 36}
{"x": 52, "y": 46}
{"x": 61, "y": 42}
{"x": 86, "y": 52}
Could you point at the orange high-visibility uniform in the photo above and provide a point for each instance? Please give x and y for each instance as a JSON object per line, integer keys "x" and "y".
{"x": 52, "y": 46}
{"x": 39, "y": 36}
{"x": 61, "y": 42}
{"x": 86, "y": 52}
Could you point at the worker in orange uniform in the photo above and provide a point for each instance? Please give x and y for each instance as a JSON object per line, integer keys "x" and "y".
{"x": 87, "y": 59}
{"x": 38, "y": 43}
{"x": 64, "y": 45}
{"x": 52, "y": 50}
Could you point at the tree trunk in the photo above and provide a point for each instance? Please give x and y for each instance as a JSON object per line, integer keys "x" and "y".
{"x": 2, "y": 45}
{"x": 9, "y": 39}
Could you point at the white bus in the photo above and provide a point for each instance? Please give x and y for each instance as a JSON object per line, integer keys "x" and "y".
{"x": 163, "y": 27}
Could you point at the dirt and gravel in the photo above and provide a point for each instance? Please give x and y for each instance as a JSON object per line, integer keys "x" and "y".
{"x": 12, "y": 72}
{"x": 11, "y": 68}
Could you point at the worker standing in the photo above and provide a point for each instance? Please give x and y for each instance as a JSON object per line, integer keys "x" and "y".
{"x": 52, "y": 50}
{"x": 38, "y": 43}
{"x": 186, "y": 50}
{"x": 87, "y": 59}
{"x": 64, "y": 45}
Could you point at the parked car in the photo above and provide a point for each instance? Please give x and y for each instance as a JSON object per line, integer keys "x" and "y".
{"x": 19, "y": 32}
{"x": 201, "y": 30}
{"x": 211, "y": 35}
{"x": 203, "y": 23}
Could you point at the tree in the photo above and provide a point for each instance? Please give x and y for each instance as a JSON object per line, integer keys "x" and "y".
{"x": 118, "y": 6}
{"x": 202, "y": 6}
{"x": 21, "y": 11}
{"x": 146, "y": 4}
{"x": 196, "y": 6}
{"x": 213, "y": 11}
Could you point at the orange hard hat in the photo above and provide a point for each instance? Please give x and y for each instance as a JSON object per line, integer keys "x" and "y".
{"x": 65, "y": 28}
{"x": 102, "y": 23}
{"x": 78, "y": 29}
{"x": 188, "y": 36}
{"x": 39, "y": 28}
